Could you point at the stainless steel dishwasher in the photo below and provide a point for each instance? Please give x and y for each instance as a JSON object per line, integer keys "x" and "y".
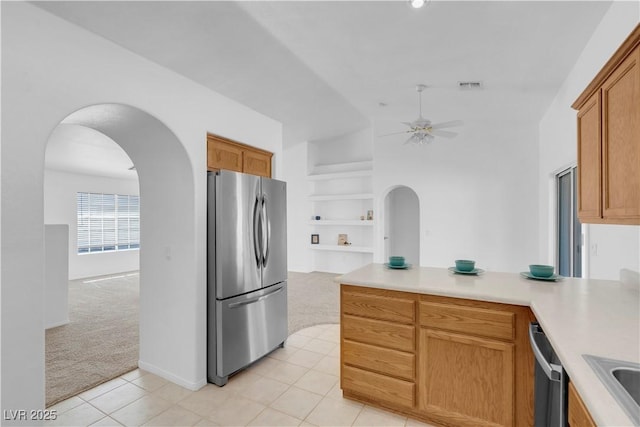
{"x": 551, "y": 382}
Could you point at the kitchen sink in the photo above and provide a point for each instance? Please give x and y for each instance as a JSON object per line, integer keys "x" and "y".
{"x": 622, "y": 379}
{"x": 629, "y": 379}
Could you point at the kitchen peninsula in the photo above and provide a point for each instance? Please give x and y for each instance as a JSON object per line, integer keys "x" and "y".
{"x": 428, "y": 319}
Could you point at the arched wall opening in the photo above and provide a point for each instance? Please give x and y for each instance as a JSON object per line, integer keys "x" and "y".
{"x": 167, "y": 233}
{"x": 401, "y": 224}
{"x": 91, "y": 221}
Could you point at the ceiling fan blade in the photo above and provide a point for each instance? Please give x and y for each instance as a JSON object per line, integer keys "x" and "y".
{"x": 394, "y": 133}
{"x": 444, "y": 133}
{"x": 413, "y": 139}
{"x": 450, "y": 124}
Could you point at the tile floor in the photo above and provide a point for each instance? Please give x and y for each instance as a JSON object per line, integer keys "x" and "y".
{"x": 297, "y": 385}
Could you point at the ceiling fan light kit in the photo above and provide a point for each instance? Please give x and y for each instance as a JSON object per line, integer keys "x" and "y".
{"x": 422, "y": 130}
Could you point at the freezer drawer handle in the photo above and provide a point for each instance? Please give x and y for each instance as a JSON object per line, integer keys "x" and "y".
{"x": 253, "y": 300}
{"x": 553, "y": 371}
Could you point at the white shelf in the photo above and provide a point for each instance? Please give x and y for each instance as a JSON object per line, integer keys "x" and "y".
{"x": 324, "y": 197}
{"x": 357, "y": 222}
{"x": 338, "y": 248}
{"x": 342, "y": 167}
{"x": 340, "y": 175}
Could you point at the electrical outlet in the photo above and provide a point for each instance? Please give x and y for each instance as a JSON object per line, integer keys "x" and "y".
{"x": 594, "y": 249}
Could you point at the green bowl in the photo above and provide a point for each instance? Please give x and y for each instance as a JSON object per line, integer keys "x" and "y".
{"x": 396, "y": 261}
{"x": 541, "y": 270}
{"x": 465, "y": 265}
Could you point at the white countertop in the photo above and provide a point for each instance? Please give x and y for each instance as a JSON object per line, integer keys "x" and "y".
{"x": 579, "y": 316}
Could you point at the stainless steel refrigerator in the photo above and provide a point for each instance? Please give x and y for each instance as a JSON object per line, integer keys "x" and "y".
{"x": 246, "y": 271}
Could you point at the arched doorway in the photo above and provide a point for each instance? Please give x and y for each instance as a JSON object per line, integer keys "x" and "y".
{"x": 167, "y": 231}
{"x": 402, "y": 224}
{"x": 91, "y": 195}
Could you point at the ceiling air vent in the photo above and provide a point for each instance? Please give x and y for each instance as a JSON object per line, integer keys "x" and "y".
{"x": 469, "y": 85}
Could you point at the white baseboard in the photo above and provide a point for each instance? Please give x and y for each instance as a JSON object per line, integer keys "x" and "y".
{"x": 170, "y": 377}
{"x": 56, "y": 324}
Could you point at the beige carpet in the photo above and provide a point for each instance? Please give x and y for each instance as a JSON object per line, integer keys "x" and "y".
{"x": 101, "y": 341}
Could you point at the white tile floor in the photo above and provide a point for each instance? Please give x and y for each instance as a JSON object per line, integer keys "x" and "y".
{"x": 297, "y": 385}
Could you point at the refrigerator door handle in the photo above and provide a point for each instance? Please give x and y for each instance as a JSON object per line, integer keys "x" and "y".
{"x": 266, "y": 229}
{"x": 256, "y": 237}
{"x": 254, "y": 300}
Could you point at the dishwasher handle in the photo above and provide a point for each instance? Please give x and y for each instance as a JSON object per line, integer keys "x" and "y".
{"x": 551, "y": 370}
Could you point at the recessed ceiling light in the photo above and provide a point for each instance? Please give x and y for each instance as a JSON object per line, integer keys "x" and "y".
{"x": 417, "y": 4}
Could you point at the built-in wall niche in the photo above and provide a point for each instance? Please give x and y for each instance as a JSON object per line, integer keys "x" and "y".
{"x": 341, "y": 202}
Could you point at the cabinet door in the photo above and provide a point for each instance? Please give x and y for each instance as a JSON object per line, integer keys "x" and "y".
{"x": 578, "y": 414}
{"x": 223, "y": 155}
{"x": 621, "y": 141}
{"x": 465, "y": 380}
{"x": 589, "y": 160}
{"x": 257, "y": 163}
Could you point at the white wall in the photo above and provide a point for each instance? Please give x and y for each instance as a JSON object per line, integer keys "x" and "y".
{"x": 56, "y": 276}
{"x": 351, "y": 147}
{"x": 60, "y": 190}
{"x": 298, "y": 233}
{"x": 609, "y": 248}
{"x": 51, "y": 69}
{"x": 477, "y": 193}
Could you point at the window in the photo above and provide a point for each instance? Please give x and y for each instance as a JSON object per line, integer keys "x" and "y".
{"x": 107, "y": 222}
{"x": 569, "y": 227}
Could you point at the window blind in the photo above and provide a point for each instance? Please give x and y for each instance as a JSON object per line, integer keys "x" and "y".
{"x": 107, "y": 222}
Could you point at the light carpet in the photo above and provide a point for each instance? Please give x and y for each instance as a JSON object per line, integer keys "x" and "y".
{"x": 101, "y": 340}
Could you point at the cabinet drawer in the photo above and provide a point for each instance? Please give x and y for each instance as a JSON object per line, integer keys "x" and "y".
{"x": 383, "y": 360}
{"x": 377, "y": 304}
{"x": 379, "y": 333}
{"x": 471, "y": 320}
{"x": 379, "y": 387}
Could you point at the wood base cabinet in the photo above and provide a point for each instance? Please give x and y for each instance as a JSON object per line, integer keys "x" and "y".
{"x": 465, "y": 379}
{"x": 378, "y": 346}
{"x": 578, "y": 414}
{"x": 446, "y": 361}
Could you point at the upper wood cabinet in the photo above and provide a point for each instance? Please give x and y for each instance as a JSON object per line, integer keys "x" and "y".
{"x": 223, "y": 153}
{"x": 609, "y": 140}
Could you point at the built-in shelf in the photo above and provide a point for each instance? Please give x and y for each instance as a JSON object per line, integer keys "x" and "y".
{"x": 342, "y": 222}
{"x": 324, "y": 197}
{"x": 342, "y": 167}
{"x": 340, "y": 175}
{"x": 339, "y": 248}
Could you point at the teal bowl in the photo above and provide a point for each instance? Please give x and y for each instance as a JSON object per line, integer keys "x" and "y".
{"x": 465, "y": 265}
{"x": 540, "y": 270}
{"x": 396, "y": 261}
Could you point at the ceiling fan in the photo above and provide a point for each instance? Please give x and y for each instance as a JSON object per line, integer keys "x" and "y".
{"x": 422, "y": 130}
